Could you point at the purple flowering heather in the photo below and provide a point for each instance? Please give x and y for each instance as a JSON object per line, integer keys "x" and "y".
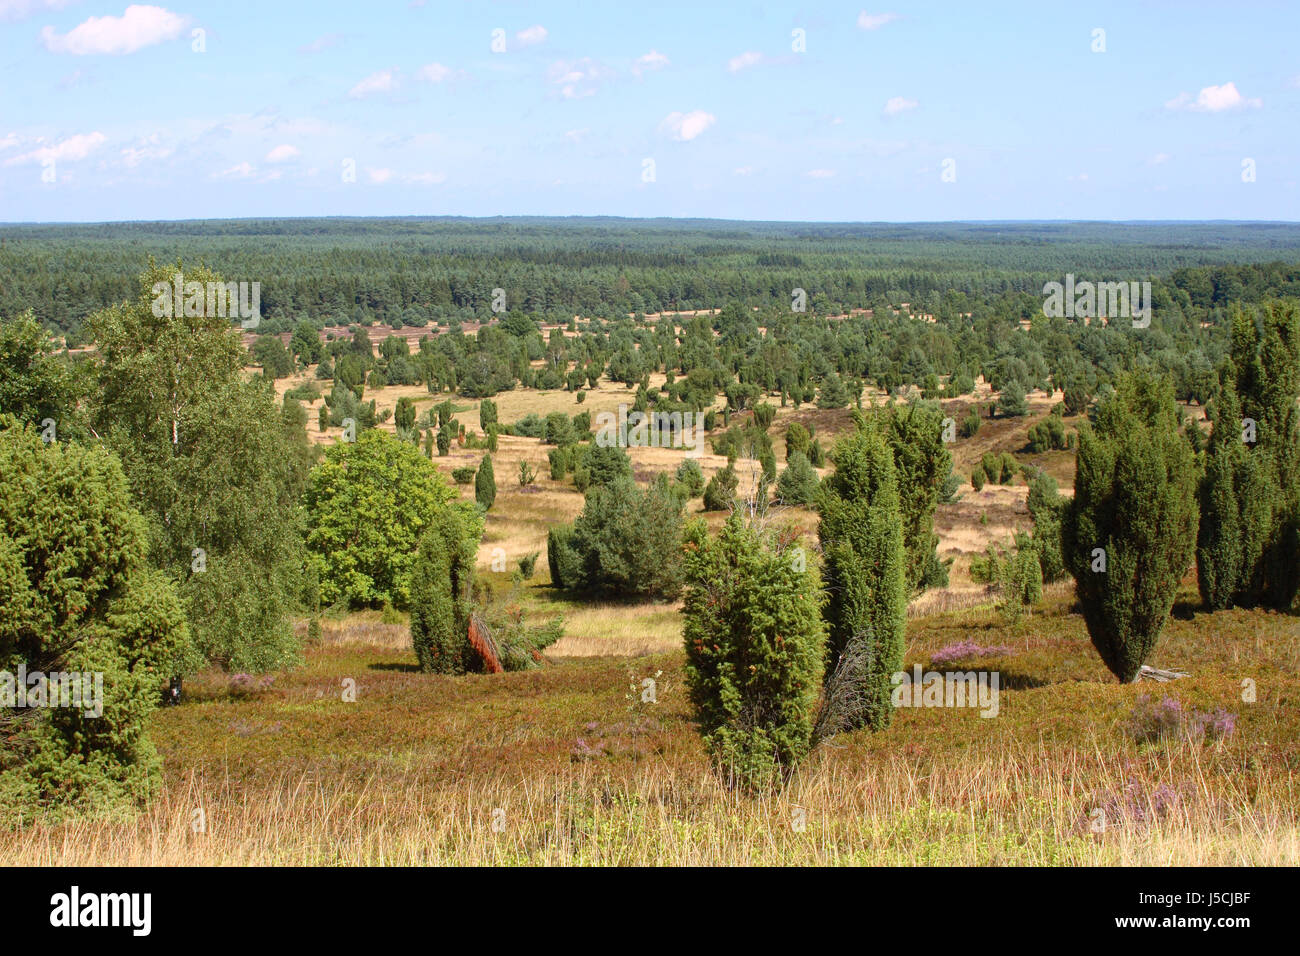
{"x": 966, "y": 650}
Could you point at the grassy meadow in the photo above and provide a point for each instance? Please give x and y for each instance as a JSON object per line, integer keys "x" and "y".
{"x": 357, "y": 758}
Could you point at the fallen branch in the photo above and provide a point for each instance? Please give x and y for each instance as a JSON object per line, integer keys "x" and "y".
{"x": 1153, "y": 673}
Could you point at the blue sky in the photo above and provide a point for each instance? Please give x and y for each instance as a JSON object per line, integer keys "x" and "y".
{"x": 108, "y": 112}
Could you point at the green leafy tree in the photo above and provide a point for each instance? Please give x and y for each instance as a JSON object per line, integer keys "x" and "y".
{"x": 1045, "y": 507}
{"x": 755, "y": 645}
{"x": 1129, "y": 532}
{"x": 367, "y": 505}
{"x": 35, "y": 384}
{"x": 212, "y": 465}
{"x": 77, "y": 596}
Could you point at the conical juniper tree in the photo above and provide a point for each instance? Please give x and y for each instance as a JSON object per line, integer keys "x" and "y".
{"x": 1257, "y": 483}
{"x": 865, "y": 567}
{"x": 1130, "y": 530}
{"x": 755, "y": 643}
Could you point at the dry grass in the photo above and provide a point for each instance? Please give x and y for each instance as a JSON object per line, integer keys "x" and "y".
{"x": 573, "y": 769}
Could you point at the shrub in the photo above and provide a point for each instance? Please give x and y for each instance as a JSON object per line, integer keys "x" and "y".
{"x": 558, "y": 460}
{"x": 865, "y": 565}
{"x": 485, "y": 484}
{"x": 527, "y": 473}
{"x": 798, "y": 483}
{"x": 977, "y": 478}
{"x": 922, "y": 463}
{"x": 528, "y": 564}
{"x": 1045, "y": 507}
{"x": 628, "y": 542}
{"x": 1021, "y": 583}
{"x": 367, "y": 506}
{"x": 605, "y": 464}
{"x": 442, "y": 592}
{"x": 77, "y": 595}
{"x": 970, "y": 423}
{"x": 565, "y": 563}
{"x": 487, "y": 414}
{"x": 755, "y": 644}
{"x": 691, "y": 477}
{"x": 1134, "y": 508}
{"x": 797, "y": 438}
{"x": 463, "y": 475}
{"x": 720, "y": 492}
{"x": 1012, "y": 403}
{"x": 764, "y": 414}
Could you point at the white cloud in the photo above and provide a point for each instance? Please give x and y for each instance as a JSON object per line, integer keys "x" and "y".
{"x": 578, "y": 78}
{"x": 385, "y": 81}
{"x": 435, "y": 72}
{"x": 140, "y": 26}
{"x": 744, "y": 61}
{"x": 684, "y": 127}
{"x": 8, "y": 141}
{"x": 282, "y": 154}
{"x": 743, "y": 170}
{"x": 1214, "y": 99}
{"x": 426, "y": 179}
{"x": 70, "y": 150}
{"x": 531, "y": 35}
{"x": 150, "y": 147}
{"x": 239, "y": 171}
{"x": 820, "y": 173}
{"x": 899, "y": 104}
{"x": 649, "y": 62}
{"x": 874, "y": 21}
{"x": 1158, "y": 159}
{"x": 577, "y": 135}
{"x": 379, "y": 176}
{"x": 13, "y": 10}
{"x": 321, "y": 43}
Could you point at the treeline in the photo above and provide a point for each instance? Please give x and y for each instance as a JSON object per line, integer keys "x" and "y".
{"x": 416, "y": 271}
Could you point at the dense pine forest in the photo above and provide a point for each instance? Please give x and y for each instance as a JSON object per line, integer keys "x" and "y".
{"x": 417, "y": 271}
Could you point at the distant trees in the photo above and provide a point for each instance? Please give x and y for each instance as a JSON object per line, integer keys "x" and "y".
{"x": 78, "y": 598}
{"x": 865, "y": 568}
{"x": 367, "y": 506}
{"x": 755, "y": 645}
{"x": 1129, "y": 532}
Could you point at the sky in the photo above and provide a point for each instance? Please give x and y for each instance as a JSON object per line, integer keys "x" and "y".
{"x": 759, "y": 111}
